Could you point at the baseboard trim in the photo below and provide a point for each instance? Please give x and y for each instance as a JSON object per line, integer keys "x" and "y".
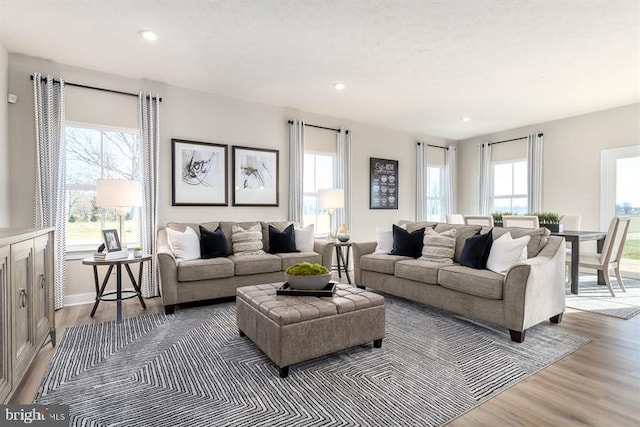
{"x": 79, "y": 299}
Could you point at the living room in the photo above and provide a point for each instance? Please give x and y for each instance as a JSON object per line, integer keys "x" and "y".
{"x": 598, "y": 109}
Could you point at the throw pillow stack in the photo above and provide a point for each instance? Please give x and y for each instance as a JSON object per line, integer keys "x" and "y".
{"x": 247, "y": 241}
{"x": 439, "y": 247}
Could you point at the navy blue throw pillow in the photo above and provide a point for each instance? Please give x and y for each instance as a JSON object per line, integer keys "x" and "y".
{"x": 475, "y": 252}
{"x": 407, "y": 244}
{"x": 213, "y": 244}
{"x": 282, "y": 242}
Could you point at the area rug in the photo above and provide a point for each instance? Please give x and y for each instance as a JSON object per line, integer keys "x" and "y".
{"x": 193, "y": 369}
{"x": 597, "y": 299}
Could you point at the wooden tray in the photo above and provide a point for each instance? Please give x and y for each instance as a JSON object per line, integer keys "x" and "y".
{"x": 327, "y": 291}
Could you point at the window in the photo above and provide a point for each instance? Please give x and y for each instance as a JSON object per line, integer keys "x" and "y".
{"x": 318, "y": 174}
{"x": 510, "y": 187}
{"x": 93, "y": 153}
{"x": 435, "y": 193}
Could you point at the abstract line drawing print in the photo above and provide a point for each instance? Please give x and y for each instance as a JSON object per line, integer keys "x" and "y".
{"x": 256, "y": 173}
{"x": 198, "y": 167}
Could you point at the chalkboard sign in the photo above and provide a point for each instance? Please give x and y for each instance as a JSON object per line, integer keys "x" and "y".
{"x": 383, "y": 184}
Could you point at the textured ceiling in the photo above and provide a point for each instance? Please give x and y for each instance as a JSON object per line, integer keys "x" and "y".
{"x": 419, "y": 66}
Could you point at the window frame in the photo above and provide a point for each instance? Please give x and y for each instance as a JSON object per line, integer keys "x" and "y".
{"x": 333, "y": 156}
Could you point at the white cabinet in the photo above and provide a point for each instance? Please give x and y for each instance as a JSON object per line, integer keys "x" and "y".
{"x": 26, "y": 301}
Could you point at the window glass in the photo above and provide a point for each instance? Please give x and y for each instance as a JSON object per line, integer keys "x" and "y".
{"x": 510, "y": 187}
{"x": 435, "y": 193}
{"x": 94, "y": 153}
{"x": 318, "y": 174}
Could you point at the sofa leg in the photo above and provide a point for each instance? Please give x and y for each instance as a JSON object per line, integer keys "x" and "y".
{"x": 241, "y": 333}
{"x": 284, "y": 372}
{"x": 556, "y": 319}
{"x": 361, "y": 287}
{"x": 517, "y": 336}
{"x": 169, "y": 309}
{"x": 377, "y": 343}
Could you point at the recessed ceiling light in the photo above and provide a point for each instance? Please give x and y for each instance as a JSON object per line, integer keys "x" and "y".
{"x": 148, "y": 35}
{"x": 339, "y": 86}
{"x": 466, "y": 119}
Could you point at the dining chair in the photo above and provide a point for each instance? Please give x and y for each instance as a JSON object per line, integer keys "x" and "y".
{"x": 522, "y": 221}
{"x": 484, "y": 220}
{"x": 455, "y": 219}
{"x": 571, "y": 222}
{"x": 611, "y": 252}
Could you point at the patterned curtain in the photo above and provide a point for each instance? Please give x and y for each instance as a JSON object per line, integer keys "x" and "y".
{"x": 534, "y": 172}
{"x": 296, "y": 171}
{"x": 149, "y": 127}
{"x": 421, "y": 161}
{"x": 485, "y": 179}
{"x": 50, "y": 193}
{"x": 450, "y": 159}
{"x": 342, "y": 175}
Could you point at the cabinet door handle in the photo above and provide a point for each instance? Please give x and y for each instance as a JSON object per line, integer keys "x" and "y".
{"x": 42, "y": 281}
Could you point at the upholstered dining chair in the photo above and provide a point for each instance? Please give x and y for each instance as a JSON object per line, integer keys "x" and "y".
{"x": 484, "y": 220}
{"x": 571, "y": 222}
{"x": 455, "y": 219}
{"x": 522, "y": 221}
{"x": 611, "y": 252}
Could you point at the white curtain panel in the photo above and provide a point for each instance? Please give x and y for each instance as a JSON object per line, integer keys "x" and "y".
{"x": 485, "y": 179}
{"x": 450, "y": 159}
{"x": 149, "y": 127}
{"x": 296, "y": 170}
{"x": 534, "y": 172}
{"x": 50, "y": 193}
{"x": 421, "y": 184}
{"x": 342, "y": 175}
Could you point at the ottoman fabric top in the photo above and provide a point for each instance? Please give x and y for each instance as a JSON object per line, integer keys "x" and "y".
{"x": 285, "y": 310}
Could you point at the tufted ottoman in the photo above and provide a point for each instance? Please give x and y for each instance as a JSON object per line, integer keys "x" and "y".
{"x": 293, "y": 329}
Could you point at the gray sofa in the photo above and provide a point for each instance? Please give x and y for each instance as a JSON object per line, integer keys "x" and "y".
{"x": 531, "y": 291}
{"x": 201, "y": 279}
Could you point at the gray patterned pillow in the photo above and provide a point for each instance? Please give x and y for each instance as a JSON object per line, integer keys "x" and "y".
{"x": 439, "y": 247}
{"x": 247, "y": 241}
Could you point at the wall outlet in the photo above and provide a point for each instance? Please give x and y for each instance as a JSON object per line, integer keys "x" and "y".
{"x": 12, "y": 98}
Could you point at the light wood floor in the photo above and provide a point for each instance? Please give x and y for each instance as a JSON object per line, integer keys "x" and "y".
{"x": 598, "y": 385}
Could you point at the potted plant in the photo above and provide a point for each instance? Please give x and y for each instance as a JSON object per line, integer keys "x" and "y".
{"x": 497, "y": 217}
{"x": 137, "y": 252}
{"x": 307, "y": 276}
{"x": 550, "y": 220}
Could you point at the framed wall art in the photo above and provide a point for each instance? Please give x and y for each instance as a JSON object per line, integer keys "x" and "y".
{"x": 199, "y": 173}
{"x": 383, "y": 184}
{"x": 255, "y": 176}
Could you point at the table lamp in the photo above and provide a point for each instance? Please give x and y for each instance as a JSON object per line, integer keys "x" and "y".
{"x": 331, "y": 199}
{"x": 119, "y": 194}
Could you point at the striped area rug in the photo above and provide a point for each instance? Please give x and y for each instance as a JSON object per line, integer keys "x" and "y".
{"x": 597, "y": 299}
{"x": 193, "y": 369}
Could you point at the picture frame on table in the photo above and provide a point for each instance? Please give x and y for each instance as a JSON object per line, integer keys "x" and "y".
{"x": 111, "y": 240}
{"x": 255, "y": 176}
{"x": 383, "y": 183}
{"x": 198, "y": 173}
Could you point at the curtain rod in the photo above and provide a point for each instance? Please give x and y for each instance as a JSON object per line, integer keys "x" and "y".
{"x": 95, "y": 88}
{"x": 434, "y": 146}
{"x": 514, "y": 139}
{"x": 319, "y": 127}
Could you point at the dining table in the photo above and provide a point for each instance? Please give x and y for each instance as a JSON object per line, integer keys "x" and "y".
{"x": 575, "y": 238}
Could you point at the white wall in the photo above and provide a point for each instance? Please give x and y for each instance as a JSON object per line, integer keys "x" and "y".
{"x": 571, "y": 168}
{"x": 192, "y": 115}
{"x": 4, "y": 139}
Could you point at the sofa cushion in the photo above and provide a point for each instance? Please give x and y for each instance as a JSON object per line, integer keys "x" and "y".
{"x": 381, "y": 263}
{"x": 482, "y": 283}
{"x": 476, "y": 250}
{"x": 506, "y": 251}
{"x": 418, "y": 270}
{"x": 288, "y": 259}
{"x": 304, "y": 238}
{"x": 278, "y": 225}
{"x": 384, "y": 239}
{"x": 439, "y": 247}
{"x": 213, "y": 244}
{"x": 254, "y": 264}
{"x": 463, "y": 232}
{"x": 539, "y": 237}
{"x": 181, "y": 226}
{"x": 247, "y": 240}
{"x": 282, "y": 241}
{"x": 406, "y": 243}
{"x": 184, "y": 245}
{"x": 416, "y": 225}
{"x": 204, "y": 269}
{"x": 227, "y": 227}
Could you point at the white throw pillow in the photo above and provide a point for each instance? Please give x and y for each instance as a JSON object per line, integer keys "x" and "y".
{"x": 385, "y": 239}
{"x": 247, "y": 241}
{"x": 507, "y": 251}
{"x": 304, "y": 238}
{"x": 439, "y": 247}
{"x": 185, "y": 246}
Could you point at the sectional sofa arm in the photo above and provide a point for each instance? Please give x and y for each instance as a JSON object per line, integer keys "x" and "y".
{"x": 325, "y": 249}
{"x": 534, "y": 289}
{"x": 168, "y": 266}
{"x": 360, "y": 249}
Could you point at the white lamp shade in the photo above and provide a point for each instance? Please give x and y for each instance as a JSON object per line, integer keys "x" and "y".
{"x": 118, "y": 193}
{"x": 331, "y": 198}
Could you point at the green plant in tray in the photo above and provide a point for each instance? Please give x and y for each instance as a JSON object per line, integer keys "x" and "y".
{"x": 307, "y": 269}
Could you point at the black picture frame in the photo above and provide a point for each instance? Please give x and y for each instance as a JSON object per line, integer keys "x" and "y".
{"x": 255, "y": 176}
{"x": 383, "y": 183}
{"x": 199, "y": 173}
{"x": 111, "y": 240}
